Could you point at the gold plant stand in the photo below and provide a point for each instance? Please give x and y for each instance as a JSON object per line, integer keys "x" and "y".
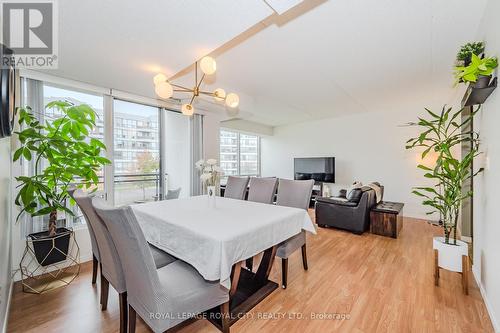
{"x": 38, "y": 277}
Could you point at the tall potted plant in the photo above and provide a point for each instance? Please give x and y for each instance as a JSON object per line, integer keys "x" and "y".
{"x": 443, "y": 134}
{"x": 70, "y": 159}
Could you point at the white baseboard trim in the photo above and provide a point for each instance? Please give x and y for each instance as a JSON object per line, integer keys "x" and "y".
{"x": 477, "y": 277}
{"x": 7, "y": 307}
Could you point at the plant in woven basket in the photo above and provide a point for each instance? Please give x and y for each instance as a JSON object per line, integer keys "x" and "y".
{"x": 69, "y": 156}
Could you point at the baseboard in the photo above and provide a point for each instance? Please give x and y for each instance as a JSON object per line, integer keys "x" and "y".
{"x": 477, "y": 277}
{"x": 7, "y": 307}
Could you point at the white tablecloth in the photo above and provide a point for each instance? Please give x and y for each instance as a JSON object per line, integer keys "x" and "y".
{"x": 212, "y": 239}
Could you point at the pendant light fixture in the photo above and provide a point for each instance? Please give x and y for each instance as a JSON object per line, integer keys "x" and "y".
{"x": 165, "y": 89}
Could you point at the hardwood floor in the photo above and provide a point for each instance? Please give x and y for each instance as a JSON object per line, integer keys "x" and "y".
{"x": 374, "y": 283}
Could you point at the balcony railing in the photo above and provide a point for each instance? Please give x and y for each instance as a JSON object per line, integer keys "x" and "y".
{"x": 135, "y": 187}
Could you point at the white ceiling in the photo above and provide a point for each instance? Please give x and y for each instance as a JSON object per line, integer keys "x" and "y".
{"x": 322, "y": 58}
{"x": 123, "y": 44}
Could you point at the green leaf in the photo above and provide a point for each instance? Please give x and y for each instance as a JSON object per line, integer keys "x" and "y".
{"x": 26, "y": 154}
{"x": 423, "y": 167}
{"x": 18, "y": 154}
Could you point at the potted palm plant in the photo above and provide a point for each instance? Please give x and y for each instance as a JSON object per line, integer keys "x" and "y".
{"x": 70, "y": 159}
{"x": 443, "y": 134}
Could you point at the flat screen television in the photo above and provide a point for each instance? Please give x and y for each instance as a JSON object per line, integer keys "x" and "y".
{"x": 321, "y": 169}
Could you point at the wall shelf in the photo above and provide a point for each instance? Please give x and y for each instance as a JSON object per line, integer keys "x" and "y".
{"x": 474, "y": 96}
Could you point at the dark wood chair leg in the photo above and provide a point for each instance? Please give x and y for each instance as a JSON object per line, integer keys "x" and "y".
{"x": 224, "y": 309}
{"x": 94, "y": 269}
{"x": 123, "y": 312}
{"x": 104, "y": 292}
{"x": 304, "y": 257}
{"x": 284, "y": 272}
{"x": 249, "y": 263}
{"x": 131, "y": 319}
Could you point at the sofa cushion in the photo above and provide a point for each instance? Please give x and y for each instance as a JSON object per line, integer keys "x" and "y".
{"x": 355, "y": 195}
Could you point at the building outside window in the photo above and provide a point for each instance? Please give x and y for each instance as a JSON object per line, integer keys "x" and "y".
{"x": 239, "y": 153}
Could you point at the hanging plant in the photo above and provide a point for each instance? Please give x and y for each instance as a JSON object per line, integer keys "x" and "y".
{"x": 464, "y": 56}
{"x": 478, "y": 68}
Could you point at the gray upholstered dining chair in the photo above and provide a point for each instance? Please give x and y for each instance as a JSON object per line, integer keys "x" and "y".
{"x": 111, "y": 267}
{"x": 157, "y": 295}
{"x": 293, "y": 193}
{"x": 262, "y": 189}
{"x": 236, "y": 187}
{"x": 96, "y": 258}
{"x": 173, "y": 194}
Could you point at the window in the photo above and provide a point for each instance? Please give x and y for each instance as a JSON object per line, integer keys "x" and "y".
{"x": 136, "y": 153}
{"x": 53, "y": 93}
{"x": 239, "y": 153}
{"x": 145, "y": 163}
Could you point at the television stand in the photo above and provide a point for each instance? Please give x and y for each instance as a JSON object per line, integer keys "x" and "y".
{"x": 317, "y": 191}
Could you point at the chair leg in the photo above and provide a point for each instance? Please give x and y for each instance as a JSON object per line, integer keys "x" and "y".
{"x": 104, "y": 293}
{"x": 131, "y": 319}
{"x": 94, "y": 269}
{"x": 224, "y": 309}
{"x": 304, "y": 257}
{"x": 249, "y": 263}
{"x": 123, "y": 312}
{"x": 284, "y": 272}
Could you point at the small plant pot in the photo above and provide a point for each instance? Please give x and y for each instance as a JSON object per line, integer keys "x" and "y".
{"x": 483, "y": 81}
{"x": 51, "y": 249}
{"x": 450, "y": 255}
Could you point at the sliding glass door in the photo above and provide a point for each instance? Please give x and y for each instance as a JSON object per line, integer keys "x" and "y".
{"x": 136, "y": 158}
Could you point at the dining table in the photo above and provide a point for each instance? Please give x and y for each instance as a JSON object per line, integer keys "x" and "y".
{"x": 216, "y": 236}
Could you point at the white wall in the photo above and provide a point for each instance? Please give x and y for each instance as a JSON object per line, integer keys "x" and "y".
{"x": 486, "y": 215}
{"x": 367, "y": 147}
{"x": 211, "y": 136}
{"x": 5, "y": 229}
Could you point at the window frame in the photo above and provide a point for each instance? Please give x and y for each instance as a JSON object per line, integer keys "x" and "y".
{"x": 108, "y": 95}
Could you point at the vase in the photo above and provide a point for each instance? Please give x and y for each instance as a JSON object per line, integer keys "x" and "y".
{"x": 211, "y": 196}
{"x": 450, "y": 255}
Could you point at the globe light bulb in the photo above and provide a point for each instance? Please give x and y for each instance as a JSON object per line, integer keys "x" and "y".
{"x": 187, "y": 109}
{"x": 232, "y": 100}
{"x": 164, "y": 90}
{"x": 219, "y": 94}
{"x": 208, "y": 65}
{"x": 159, "y": 78}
